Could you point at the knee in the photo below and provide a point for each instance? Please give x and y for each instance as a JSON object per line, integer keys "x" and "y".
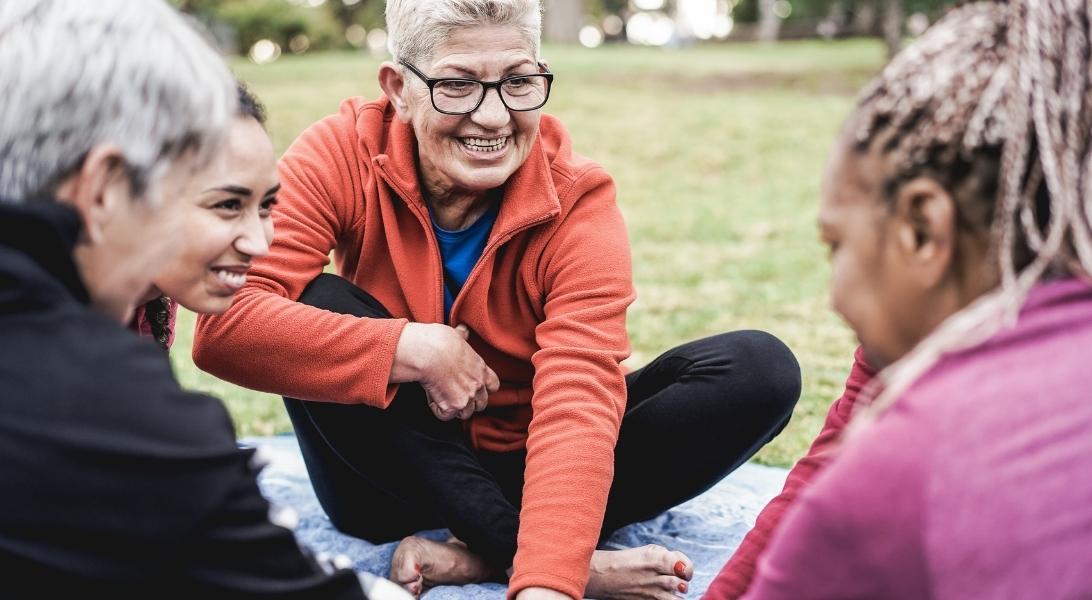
{"x": 764, "y": 371}
{"x": 327, "y": 291}
{"x": 335, "y": 294}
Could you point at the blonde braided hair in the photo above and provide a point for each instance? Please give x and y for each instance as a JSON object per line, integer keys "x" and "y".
{"x": 995, "y": 103}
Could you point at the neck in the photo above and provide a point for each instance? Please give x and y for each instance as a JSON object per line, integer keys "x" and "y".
{"x": 459, "y": 211}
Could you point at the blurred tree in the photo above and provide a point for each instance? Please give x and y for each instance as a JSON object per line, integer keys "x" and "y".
{"x": 347, "y": 13}
{"x": 562, "y": 20}
{"x": 894, "y": 24}
{"x": 769, "y": 22}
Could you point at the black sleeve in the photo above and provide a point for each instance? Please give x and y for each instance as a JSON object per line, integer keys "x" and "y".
{"x": 143, "y": 484}
{"x": 237, "y": 551}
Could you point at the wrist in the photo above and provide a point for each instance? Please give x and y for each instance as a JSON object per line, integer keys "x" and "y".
{"x": 409, "y": 355}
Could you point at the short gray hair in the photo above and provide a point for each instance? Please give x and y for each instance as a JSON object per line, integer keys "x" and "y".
{"x": 78, "y": 74}
{"x": 416, "y": 28}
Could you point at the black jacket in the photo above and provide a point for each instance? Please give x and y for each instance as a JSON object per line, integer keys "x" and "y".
{"x": 113, "y": 480}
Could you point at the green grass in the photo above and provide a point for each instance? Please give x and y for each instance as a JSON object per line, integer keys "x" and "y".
{"x": 717, "y": 152}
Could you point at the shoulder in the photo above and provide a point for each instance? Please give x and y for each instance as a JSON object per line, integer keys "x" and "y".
{"x": 353, "y": 129}
{"x": 574, "y": 175}
{"x": 103, "y": 377}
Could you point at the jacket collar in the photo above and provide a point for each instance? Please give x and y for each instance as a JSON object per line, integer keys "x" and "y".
{"x": 529, "y": 195}
{"x": 45, "y": 232}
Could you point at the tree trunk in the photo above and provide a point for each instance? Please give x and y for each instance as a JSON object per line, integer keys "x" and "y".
{"x": 769, "y": 24}
{"x": 864, "y": 19}
{"x": 562, "y": 20}
{"x": 894, "y": 18}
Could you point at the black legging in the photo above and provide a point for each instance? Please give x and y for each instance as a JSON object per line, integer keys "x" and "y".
{"x": 693, "y": 415}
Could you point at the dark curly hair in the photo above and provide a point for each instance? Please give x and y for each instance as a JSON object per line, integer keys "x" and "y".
{"x": 249, "y": 105}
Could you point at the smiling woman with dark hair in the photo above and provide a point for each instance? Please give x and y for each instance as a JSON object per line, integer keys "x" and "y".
{"x": 463, "y": 369}
{"x": 228, "y": 223}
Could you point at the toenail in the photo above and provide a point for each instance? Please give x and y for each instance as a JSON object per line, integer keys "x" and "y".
{"x": 683, "y": 587}
{"x": 680, "y": 568}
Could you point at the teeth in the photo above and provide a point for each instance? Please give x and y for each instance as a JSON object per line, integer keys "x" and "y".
{"x": 484, "y": 145}
{"x": 232, "y": 279}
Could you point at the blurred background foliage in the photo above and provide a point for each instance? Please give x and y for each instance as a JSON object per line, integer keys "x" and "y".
{"x": 300, "y": 26}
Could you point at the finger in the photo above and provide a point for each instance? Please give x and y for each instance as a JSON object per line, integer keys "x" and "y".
{"x": 492, "y": 382}
{"x": 446, "y": 415}
{"x": 481, "y": 400}
{"x": 468, "y": 411}
{"x": 442, "y": 413}
{"x": 463, "y": 330}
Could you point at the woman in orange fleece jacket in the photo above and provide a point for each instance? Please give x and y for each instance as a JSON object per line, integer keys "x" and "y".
{"x": 463, "y": 369}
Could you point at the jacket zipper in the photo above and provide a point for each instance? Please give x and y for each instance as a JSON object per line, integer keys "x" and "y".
{"x": 438, "y": 257}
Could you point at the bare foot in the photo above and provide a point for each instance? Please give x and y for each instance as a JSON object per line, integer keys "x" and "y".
{"x": 639, "y": 573}
{"x": 419, "y": 564}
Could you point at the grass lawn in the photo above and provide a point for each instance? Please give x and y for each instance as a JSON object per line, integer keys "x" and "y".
{"x": 717, "y": 152}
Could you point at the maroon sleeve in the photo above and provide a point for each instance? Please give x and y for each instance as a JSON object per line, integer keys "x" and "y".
{"x": 735, "y": 577}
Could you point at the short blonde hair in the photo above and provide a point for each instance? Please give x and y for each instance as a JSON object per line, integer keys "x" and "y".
{"x": 416, "y": 28}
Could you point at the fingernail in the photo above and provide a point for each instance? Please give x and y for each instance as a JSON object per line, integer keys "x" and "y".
{"x": 683, "y": 587}
{"x": 680, "y": 568}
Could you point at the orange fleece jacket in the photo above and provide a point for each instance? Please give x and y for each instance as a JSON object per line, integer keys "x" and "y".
{"x": 546, "y": 305}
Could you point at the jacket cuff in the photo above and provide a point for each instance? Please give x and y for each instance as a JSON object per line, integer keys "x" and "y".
{"x": 544, "y": 580}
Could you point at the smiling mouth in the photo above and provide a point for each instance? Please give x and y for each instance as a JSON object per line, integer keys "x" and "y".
{"x": 234, "y": 279}
{"x": 484, "y": 145}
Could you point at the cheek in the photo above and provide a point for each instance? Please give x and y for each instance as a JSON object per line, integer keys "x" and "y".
{"x": 209, "y": 239}
{"x": 267, "y": 229}
{"x": 841, "y": 283}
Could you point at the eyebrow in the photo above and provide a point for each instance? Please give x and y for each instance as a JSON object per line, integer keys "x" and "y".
{"x": 232, "y": 189}
{"x": 507, "y": 69}
{"x": 243, "y": 191}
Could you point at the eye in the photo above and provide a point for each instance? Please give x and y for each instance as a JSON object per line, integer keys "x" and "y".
{"x": 456, "y": 87}
{"x": 266, "y": 207}
{"x": 231, "y": 204}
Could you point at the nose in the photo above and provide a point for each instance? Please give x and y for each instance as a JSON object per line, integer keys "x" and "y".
{"x": 491, "y": 113}
{"x": 253, "y": 239}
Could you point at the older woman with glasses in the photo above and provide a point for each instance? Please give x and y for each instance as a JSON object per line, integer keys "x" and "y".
{"x": 462, "y": 369}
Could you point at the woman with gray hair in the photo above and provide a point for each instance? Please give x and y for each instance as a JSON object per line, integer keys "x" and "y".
{"x": 463, "y": 370}
{"x": 115, "y": 482}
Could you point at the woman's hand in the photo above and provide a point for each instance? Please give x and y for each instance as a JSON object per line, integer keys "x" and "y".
{"x": 456, "y": 380}
{"x": 537, "y": 593}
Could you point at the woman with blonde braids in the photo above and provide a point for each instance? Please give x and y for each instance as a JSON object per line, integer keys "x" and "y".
{"x": 957, "y": 212}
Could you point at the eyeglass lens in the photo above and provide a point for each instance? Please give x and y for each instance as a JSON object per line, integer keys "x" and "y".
{"x": 518, "y": 93}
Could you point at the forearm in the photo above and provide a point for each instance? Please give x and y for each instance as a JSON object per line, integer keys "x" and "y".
{"x": 270, "y": 343}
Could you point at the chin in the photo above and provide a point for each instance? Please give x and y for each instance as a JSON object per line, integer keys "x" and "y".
{"x": 207, "y": 305}
{"x": 488, "y": 179}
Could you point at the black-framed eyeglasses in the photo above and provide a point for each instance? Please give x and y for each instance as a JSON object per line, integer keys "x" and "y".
{"x": 460, "y": 96}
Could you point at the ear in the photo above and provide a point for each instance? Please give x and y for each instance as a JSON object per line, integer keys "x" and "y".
{"x": 96, "y": 189}
{"x": 925, "y": 229}
{"x": 393, "y": 84}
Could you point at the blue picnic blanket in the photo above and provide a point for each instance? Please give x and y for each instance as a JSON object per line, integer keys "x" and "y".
{"x": 707, "y": 529}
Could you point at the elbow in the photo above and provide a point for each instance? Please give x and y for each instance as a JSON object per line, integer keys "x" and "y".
{"x": 205, "y": 336}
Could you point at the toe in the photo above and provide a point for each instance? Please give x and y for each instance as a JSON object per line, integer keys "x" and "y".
{"x": 406, "y": 563}
{"x": 670, "y": 583}
{"x": 681, "y": 566}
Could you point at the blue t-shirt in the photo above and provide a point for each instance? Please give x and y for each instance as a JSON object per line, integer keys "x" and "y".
{"x": 460, "y": 251}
